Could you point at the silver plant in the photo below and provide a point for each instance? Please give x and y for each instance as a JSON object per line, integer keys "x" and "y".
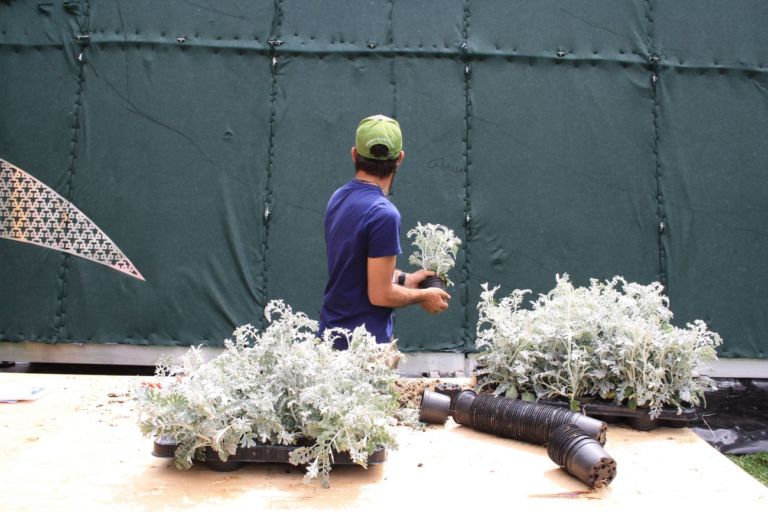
{"x": 612, "y": 340}
{"x": 280, "y": 386}
{"x": 437, "y": 247}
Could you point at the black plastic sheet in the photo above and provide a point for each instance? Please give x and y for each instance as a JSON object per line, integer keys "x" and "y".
{"x": 735, "y": 420}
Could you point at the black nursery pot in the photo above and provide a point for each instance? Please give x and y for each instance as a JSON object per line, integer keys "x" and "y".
{"x": 581, "y": 456}
{"x": 434, "y": 407}
{"x": 462, "y": 407}
{"x": 451, "y": 390}
{"x": 432, "y": 282}
{"x": 215, "y": 463}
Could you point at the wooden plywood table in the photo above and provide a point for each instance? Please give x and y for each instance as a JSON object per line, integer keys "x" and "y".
{"x": 79, "y": 448}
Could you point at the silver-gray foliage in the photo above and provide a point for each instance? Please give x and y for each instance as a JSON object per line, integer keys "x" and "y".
{"x": 436, "y": 246}
{"x": 280, "y": 386}
{"x": 612, "y": 339}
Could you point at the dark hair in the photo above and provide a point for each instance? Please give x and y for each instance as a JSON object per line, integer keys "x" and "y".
{"x": 378, "y": 168}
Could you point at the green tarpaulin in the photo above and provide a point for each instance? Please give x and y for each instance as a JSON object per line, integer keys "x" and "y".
{"x": 203, "y": 138}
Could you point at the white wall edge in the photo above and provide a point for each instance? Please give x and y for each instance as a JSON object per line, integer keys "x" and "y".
{"x": 416, "y": 364}
{"x": 740, "y": 368}
{"x": 92, "y": 353}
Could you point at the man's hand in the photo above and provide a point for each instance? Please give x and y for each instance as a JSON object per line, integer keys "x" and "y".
{"x": 382, "y": 292}
{"x": 413, "y": 280}
{"x": 435, "y": 300}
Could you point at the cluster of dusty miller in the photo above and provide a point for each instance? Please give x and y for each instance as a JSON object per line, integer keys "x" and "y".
{"x": 612, "y": 340}
{"x": 280, "y": 386}
{"x": 437, "y": 246}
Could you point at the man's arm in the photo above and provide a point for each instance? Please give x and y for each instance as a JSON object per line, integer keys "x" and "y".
{"x": 383, "y": 292}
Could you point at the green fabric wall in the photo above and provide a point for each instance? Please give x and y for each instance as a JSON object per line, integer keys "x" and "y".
{"x": 206, "y": 137}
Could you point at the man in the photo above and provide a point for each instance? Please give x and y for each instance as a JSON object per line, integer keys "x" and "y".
{"x": 362, "y": 236}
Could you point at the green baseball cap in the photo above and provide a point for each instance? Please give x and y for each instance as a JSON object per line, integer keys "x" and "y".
{"x": 378, "y": 130}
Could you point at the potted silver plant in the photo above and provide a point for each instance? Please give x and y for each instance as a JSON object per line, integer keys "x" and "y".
{"x": 436, "y": 249}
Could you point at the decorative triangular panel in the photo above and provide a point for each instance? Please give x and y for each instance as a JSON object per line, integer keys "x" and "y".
{"x": 33, "y": 213}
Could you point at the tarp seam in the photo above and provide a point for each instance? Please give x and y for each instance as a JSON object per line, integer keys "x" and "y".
{"x": 391, "y": 42}
{"x": 649, "y": 30}
{"x": 276, "y": 23}
{"x": 654, "y": 79}
{"x": 449, "y": 53}
{"x": 371, "y": 49}
{"x": 60, "y": 319}
{"x": 467, "y": 60}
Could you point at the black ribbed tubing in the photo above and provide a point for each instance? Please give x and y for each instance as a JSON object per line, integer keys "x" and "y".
{"x": 521, "y": 420}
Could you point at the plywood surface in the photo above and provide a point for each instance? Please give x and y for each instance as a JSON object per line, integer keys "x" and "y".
{"x": 79, "y": 448}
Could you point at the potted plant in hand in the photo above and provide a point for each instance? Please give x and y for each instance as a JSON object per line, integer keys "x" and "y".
{"x": 436, "y": 247}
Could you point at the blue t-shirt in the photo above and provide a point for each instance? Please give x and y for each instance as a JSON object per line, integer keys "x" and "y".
{"x": 360, "y": 223}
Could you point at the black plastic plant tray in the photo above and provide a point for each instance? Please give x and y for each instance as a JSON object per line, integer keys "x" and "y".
{"x": 639, "y": 419}
{"x": 163, "y": 447}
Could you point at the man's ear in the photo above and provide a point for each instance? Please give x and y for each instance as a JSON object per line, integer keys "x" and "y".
{"x": 354, "y": 153}
{"x": 400, "y": 157}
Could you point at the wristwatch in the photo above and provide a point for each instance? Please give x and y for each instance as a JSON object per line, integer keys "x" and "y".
{"x": 401, "y": 278}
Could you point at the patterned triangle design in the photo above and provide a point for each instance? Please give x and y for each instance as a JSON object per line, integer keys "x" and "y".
{"x": 31, "y": 212}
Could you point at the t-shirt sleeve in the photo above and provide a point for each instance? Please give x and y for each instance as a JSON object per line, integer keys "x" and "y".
{"x": 383, "y": 231}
